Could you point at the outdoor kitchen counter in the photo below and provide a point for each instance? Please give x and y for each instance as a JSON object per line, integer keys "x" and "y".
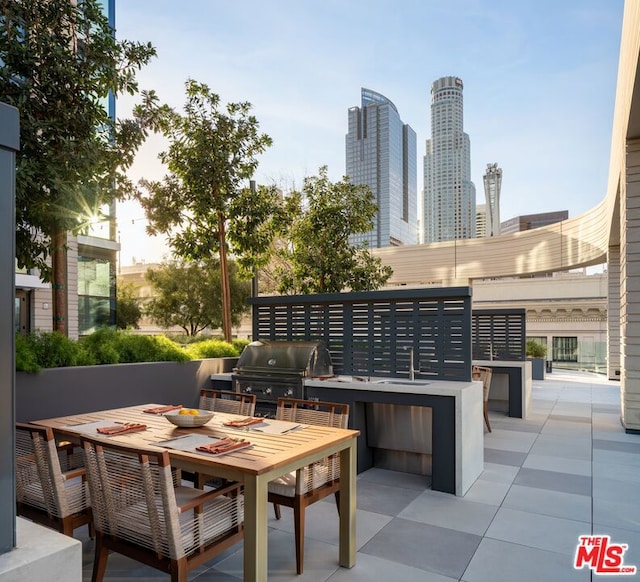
{"x": 457, "y": 427}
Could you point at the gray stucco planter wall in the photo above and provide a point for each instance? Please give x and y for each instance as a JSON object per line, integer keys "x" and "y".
{"x": 537, "y": 368}
{"x": 61, "y": 391}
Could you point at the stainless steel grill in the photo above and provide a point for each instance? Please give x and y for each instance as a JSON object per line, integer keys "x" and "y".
{"x": 275, "y": 369}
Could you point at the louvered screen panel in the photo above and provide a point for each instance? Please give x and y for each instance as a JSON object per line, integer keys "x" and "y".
{"x": 499, "y": 334}
{"x": 369, "y": 334}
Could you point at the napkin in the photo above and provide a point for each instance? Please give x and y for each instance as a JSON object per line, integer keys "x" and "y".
{"x": 118, "y": 429}
{"x": 222, "y": 446}
{"x": 244, "y": 422}
{"x": 163, "y": 409}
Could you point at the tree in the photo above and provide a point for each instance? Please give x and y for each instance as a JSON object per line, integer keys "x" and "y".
{"x": 185, "y": 295}
{"x": 319, "y": 256}
{"x": 211, "y": 152}
{"x": 128, "y": 310}
{"x": 59, "y": 61}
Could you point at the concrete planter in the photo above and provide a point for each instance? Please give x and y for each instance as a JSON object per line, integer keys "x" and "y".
{"x": 61, "y": 391}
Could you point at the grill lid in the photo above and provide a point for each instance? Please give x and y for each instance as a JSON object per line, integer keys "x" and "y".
{"x": 270, "y": 358}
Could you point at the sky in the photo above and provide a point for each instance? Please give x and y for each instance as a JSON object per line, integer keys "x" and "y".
{"x": 539, "y": 86}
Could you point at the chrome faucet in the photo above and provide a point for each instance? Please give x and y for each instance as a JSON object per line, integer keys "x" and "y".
{"x": 411, "y": 370}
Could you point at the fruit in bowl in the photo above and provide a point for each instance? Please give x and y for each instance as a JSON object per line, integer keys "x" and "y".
{"x": 189, "y": 411}
{"x": 189, "y": 417}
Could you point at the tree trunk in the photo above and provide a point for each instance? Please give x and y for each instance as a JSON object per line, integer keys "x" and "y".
{"x": 224, "y": 280}
{"x": 59, "y": 297}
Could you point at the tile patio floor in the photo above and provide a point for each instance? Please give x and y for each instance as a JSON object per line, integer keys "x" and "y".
{"x": 569, "y": 469}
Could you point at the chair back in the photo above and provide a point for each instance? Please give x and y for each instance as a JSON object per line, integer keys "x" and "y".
{"x": 132, "y": 496}
{"x": 40, "y": 482}
{"x": 227, "y": 401}
{"x": 135, "y": 498}
{"x": 312, "y": 412}
{"x": 483, "y": 373}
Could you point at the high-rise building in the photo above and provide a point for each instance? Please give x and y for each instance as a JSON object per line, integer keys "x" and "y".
{"x": 492, "y": 184}
{"x": 381, "y": 153}
{"x": 481, "y": 220}
{"x": 449, "y": 194}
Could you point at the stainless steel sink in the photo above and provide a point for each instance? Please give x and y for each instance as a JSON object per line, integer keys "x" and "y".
{"x": 403, "y": 382}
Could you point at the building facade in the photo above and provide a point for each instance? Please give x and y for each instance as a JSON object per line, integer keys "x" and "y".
{"x": 492, "y": 180}
{"x": 531, "y": 221}
{"x": 481, "y": 220}
{"x": 381, "y": 153}
{"x": 449, "y": 206}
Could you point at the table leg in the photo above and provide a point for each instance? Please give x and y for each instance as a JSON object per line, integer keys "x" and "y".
{"x": 347, "y": 557}
{"x": 255, "y": 529}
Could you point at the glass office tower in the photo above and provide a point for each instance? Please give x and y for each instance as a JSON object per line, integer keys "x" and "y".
{"x": 381, "y": 153}
{"x": 449, "y": 208}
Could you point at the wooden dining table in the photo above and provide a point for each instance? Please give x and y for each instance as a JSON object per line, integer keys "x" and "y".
{"x": 268, "y": 457}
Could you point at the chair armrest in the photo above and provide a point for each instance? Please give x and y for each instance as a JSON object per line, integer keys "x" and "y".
{"x": 81, "y": 472}
{"x": 208, "y": 496}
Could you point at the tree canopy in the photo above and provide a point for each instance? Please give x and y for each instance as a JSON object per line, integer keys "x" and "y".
{"x": 59, "y": 63}
{"x": 211, "y": 156}
{"x": 315, "y": 226}
{"x": 128, "y": 309}
{"x": 187, "y": 294}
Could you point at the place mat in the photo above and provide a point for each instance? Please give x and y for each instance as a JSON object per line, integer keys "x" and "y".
{"x": 223, "y": 446}
{"x": 163, "y": 409}
{"x": 191, "y": 442}
{"x": 244, "y": 422}
{"x": 122, "y": 428}
{"x": 271, "y": 426}
{"x": 92, "y": 427}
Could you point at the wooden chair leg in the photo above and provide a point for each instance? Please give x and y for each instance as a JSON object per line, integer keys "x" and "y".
{"x": 99, "y": 560}
{"x": 298, "y": 520}
{"x": 179, "y": 570}
{"x": 486, "y": 417}
{"x": 276, "y": 510}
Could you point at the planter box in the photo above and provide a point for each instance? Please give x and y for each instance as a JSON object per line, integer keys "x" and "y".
{"x": 537, "y": 368}
{"x": 62, "y": 391}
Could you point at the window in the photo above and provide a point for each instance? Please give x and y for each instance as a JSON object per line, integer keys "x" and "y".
{"x": 565, "y": 349}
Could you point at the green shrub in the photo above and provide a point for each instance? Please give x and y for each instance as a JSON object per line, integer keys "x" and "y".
{"x": 49, "y": 350}
{"x": 536, "y": 349}
{"x": 240, "y": 344}
{"x": 212, "y": 348}
{"x": 112, "y": 346}
{"x": 26, "y": 360}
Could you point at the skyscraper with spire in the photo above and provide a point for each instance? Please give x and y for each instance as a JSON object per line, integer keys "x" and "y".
{"x": 492, "y": 185}
{"x": 381, "y": 153}
{"x": 449, "y": 196}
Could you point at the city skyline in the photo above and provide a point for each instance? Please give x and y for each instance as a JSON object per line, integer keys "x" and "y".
{"x": 539, "y": 85}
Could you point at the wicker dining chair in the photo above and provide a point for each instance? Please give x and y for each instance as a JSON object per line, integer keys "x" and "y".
{"x": 227, "y": 401}
{"x": 223, "y": 401}
{"x": 141, "y": 512}
{"x": 484, "y": 373}
{"x": 314, "y": 482}
{"x": 50, "y": 481}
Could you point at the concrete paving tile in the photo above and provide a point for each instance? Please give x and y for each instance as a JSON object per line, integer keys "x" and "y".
{"x": 553, "y": 503}
{"x": 544, "y": 532}
{"x": 559, "y": 464}
{"x": 419, "y": 545}
{"x": 500, "y": 457}
{"x": 371, "y": 568}
{"x": 498, "y": 561}
{"x": 498, "y": 473}
{"x": 449, "y": 511}
{"x": 554, "y": 481}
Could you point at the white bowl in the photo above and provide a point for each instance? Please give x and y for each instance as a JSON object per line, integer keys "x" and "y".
{"x": 189, "y": 420}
